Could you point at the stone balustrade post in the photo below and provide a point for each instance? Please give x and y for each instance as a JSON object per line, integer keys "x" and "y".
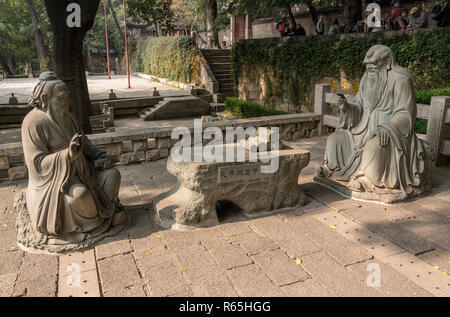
{"x": 438, "y": 129}
{"x": 320, "y": 104}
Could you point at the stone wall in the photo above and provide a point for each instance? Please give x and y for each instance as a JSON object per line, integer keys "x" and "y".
{"x": 153, "y": 144}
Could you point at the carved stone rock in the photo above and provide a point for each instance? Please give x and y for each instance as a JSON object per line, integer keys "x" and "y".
{"x": 192, "y": 202}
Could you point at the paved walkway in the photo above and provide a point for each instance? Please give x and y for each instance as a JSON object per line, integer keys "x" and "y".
{"x": 331, "y": 247}
{"x": 99, "y": 87}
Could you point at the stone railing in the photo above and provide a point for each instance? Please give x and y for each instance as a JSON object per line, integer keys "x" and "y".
{"x": 152, "y": 144}
{"x": 437, "y": 114}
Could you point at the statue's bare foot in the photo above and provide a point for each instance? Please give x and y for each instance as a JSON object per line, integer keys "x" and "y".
{"x": 355, "y": 185}
{"x": 323, "y": 170}
{"x": 368, "y": 187}
{"x": 119, "y": 218}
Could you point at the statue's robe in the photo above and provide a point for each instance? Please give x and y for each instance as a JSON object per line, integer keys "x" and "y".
{"x": 354, "y": 146}
{"x": 51, "y": 175}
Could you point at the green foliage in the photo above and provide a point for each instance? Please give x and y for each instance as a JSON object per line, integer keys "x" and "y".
{"x": 174, "y": 58}
{"x": 17, "y": 45}
{"x": 151, "y": 12}
{"x": 244, "y": 109}
{"x": 424, "y": 96}
{"x": 292, "y": 67}
{"x": 96, "y": 36}
{"x": 420, "y": 126}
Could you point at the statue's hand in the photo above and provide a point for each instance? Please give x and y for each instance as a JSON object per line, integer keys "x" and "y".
{"x": 75, "y": 147}
{"x": 342, "y": 102}
{"x": 384, "y": 136}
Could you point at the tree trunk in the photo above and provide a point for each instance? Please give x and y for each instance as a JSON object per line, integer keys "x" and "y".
{"x": 116, "y": 21}
{"x": 5, "y": 66}
{"x": 211, "y": 16}
{"x": 68, "y": 54}
{"x": 352, "y": 11}
{"x": 313, "y": 12}
{"x": 41, "y": 48}
{"x": 291, "y": 16}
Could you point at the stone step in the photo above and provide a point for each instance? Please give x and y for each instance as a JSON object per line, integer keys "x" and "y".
{"x": 221, "y": 77}
{"x": 218, "y": 59}
{"x": 225, "y": 81}
{"x": 208, "y": 53}
{"x": 220, "y": 67}
{"x": 177, "y": 107}
{"x": 226, "y": 86}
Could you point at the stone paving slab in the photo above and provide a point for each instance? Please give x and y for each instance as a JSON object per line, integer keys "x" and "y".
{"x": 271, "y": 262}
{"x": 37, "y": 276}
{"x": 307, "y": 288}
{"x": 230, "y": 256}
{"x": 372, "y": 242}
{"x": 84, "y": 285}
{"x": 428, "y": 277}
{"x": 391, "y": 282}
{"x": 118, "y": 272}
{"x": 7, "y": 282}
{"x": 339, "y": 280}
{"x": 292, "y": 241}
{"x": 341, "y": 249}
{"x": 164, "y": 279}
{"x": 250, "y": 281}
{"x": 391, "y": 230}
{"x": 132, "y": 291}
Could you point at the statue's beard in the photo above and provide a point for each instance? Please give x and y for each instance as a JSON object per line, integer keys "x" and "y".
{"x": 61, "y": 117}
{"x": 374, "y": 86}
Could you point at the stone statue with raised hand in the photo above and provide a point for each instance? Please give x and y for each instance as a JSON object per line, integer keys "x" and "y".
{"x": 72, "y": 196}
{"x": 374, "y": 153}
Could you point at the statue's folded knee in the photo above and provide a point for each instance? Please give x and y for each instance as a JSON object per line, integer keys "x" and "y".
{"x": 81, "y": 200}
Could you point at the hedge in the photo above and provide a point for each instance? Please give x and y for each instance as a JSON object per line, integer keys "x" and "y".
{"x": 244, "y": 109}
{"x": 292, "y": 67}
{"x": 173, "y": 58}
{"x": 424, "y": 97}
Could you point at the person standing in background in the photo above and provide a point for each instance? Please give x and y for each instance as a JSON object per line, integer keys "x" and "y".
{"x": 396, "y": 13}
{"x": 320, "y": 28}
{"x": 417, "y": 20}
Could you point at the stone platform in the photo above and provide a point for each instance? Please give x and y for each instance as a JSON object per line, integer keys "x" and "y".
{"x": 193, "y": 201}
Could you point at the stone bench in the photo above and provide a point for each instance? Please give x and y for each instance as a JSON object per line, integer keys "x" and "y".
{"x": 192, "y": 202}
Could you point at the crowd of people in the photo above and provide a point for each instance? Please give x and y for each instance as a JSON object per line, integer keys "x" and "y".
{"x": 398, "y": 18}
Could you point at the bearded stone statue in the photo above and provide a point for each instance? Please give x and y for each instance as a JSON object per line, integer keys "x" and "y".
{"x": 72, "y": 196}
{"x": 374, "y": 153}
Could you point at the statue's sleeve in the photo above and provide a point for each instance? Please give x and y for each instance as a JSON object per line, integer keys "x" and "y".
{"x": 401, "y": 124}
{"x": 91, "y": 151}
{"x": 49, "y": 177}
{"x": 351, "y": 118}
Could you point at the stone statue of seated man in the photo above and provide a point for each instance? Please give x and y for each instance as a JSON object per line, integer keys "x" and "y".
{"x": 374, "y": 153}
{"x": 72, "y": 194}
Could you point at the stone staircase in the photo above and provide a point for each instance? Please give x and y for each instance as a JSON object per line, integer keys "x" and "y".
{"x": 220, "y": 63}
{"x": 175, "y": 107}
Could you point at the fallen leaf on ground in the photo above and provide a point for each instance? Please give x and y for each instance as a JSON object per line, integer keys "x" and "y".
{"x": 333, "y": 227}
{"x": 227, "y": 238}
{"x": 298, "y": 261}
